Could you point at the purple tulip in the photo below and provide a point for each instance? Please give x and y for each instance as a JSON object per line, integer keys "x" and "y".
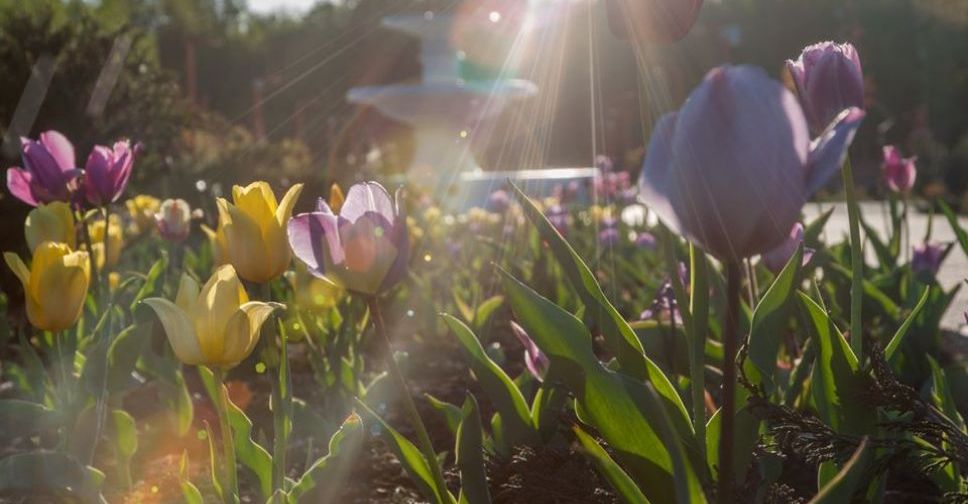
{"x": 499, "y": 201}
{"x": 608, "y": 237}
{"x": 107, "y": 172}
{"x": 927, "y": 258}
{"x": 829, "y": 79}
{"x": 49, "y": 172}
{"x": 776, "y": 259}
{"x": 645, "y": 240}
{"x": 732, "y": 169}
{"x": 534, "y": 359}
{"x": 899, "y": 173}
{"x": 365, "y": 248}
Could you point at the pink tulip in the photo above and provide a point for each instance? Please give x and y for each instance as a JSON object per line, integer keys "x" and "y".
{"x": 49, "y": 171}
{"x": 776, "y": 259}
{"x": 732, "y": 169}
{"x": 899, "y": 173}
{"x": 107, "y": 172}
{"x": 534, "y": 359}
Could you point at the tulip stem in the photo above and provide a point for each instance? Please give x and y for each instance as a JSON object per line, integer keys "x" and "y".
{"x": 734, "y": 279}
{"x": 281, "y": 402}
{"x": 106, "y": 212}
{"x": 230, "y": 485}
{"x": 86, "y": 236}
{"x": 423, "y": 438}
{"x": 856, "y": 262}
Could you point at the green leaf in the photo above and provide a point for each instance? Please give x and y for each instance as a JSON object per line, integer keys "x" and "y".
{"x": 847, "y": 482}
{"x": 698, "y": 332}
{"x": 149, "y": 287}
{"x": 251, "y": 454}
{"x": 941, "y": 395}
{"x": 23, "y": 418}
{"x": 960, "y": 232}
{"x": 620, "y": 408}
{"x": 330, "y": 471}
{"x": 895, "y": 342}
{"x": 121, "y": 356}
{"x": 189, "y": 491}
{"x": 771, "y": 318}
{"x": 451, "y": 413}
{"x": 745, "y": 436}
{"x": 811, "y": 233}
{"x": 619, "y": 337}
{"x": 410, "y": 458}
{"x": 838, "y": 385}
{"x": 124, "y": 433}
{"x": 215, "y": 465}
{"x": 885, "y": 257}
{"x": 620, "y": 481}
{"x": 486, "y": 310}
{"x": 505, "y": 396}
{"x": 470, "y": 455}
{"x": 48, "y": 473}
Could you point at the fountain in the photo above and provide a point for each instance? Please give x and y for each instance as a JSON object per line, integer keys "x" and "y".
{"x": 445, "y": 110}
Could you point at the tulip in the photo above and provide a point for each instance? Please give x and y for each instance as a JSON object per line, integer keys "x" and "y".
{"x": 174, "y": 220}
{"x": 776, "y": 259}
{"x": 55, "y": 285}
{"x": 53, "y": 222}
{"x": 254, "y": 230}
{"x": 311, "y": 292}
{"x": 216, "y": 238}
{"x": 927, "y": 258}
{"x": 608, "y": 237}
{"x": 115, "y": 241}
{"x": 646, "y": 240}
{"x": 645, "y": 21}
{"x": 142, "y": 209}
{"x": 899, "y": 173}
{"x": 828, "y": 79}
{"x": 216, "y": 326}
{"x": 534, "y": 359}
{"x": 499, "y": 201}
{"x": 364, "y": 249}
{"x": 107, "y": 172}
{"x": 732, "y": 169}
{"x": 49, "y": 172}
{"x": 336, "y": 197}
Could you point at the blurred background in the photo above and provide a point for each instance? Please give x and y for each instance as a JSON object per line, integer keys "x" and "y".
{"x": 222, "y": 91}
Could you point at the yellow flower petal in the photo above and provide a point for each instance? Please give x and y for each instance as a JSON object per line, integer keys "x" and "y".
{"x": 245, "y": 244}
{"x": 52, "y": 222}
{"x": 284, "y": 212}
{"x": 18, "y": 267}
{"x": 187, "y": 294}
{"x": 179, "y": 329}
{"x": 336, "y": 198}
{"x": 219, "y": 299}
{"x": 256, "y": 200}
{"x": 242, "y": 332}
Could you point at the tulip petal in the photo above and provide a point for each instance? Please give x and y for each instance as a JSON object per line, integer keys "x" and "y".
{"x": 60, "y": 148}
{"x": 284, "y": 211}
{"x": 314, "y": 239}
{"x": 59, "y": 280}
{"x": 829, "y": 150}
{"x": 367, "y": 197}
{"x": 217, "y": 302}
{"x": 44, "y": 168}
{"x": 181, "y": 334}
{"x": 255, "y": 200}
{"x": 188, "y": 292}
{"x": 52, "y": 222}
{"x": 400, "y": 236}
{"x": 656, "y": 181}
{"x": 19, "y": 183}
{"x": 242, "y": 331}
{"x": 244, "y": 242}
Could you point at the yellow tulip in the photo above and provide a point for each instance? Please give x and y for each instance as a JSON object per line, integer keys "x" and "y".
{"x": 255, "y": 230}
{"x": 55, "y": 285}
{"x": 336, "y": 198}
{"x": 312, "y": 292}
{"x": 142, "y": 209}
{"x": 215, "y": 326}
{"x": 115, "y": 241}
{"x": 53, "y": 222}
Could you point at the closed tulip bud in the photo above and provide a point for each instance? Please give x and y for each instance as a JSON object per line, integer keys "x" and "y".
{"x": 644, "y": 21}
{"x": 49, "y": 172}
{"x": 828, "y": 79}
{"x": 107, "y": 172}
{"x": 216, "y": 238}
{"x": 927, "y": 258}
{"x": 55, "y": 285}
{"x": 534, "y": 359}
{"x": 53, "y": 222}
{"x": 142, "y": 209}
{"x": 255, "y": 230}
{"x": 312, "y": 292}
{"x": 365, "y": 248}
{"x": 115, "y": 243}
{"x": 336, "y": 197}
{"x": 899, "y": 173}
{"x": 732, "y": 169}
{"x": 114, "y": 281}
{"x": 776, "y": 259}
{"x": 174, "y": 220}
{"x": 215, "y": 326}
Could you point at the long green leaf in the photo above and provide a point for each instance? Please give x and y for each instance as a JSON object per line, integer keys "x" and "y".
{"x": 770, "y": 318}
{"x": 620, "y": 481}
{"x": 470, "y": 455}
{"x": 505, "y": 396}
{"x": 847, "y": 482}
{"x": 48, "y": 473}
{"x": 618, "y": 407}
{"x": 959, "y": 231}
{"x": 895, "y": 342}
{"x": 329, "y": 472}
